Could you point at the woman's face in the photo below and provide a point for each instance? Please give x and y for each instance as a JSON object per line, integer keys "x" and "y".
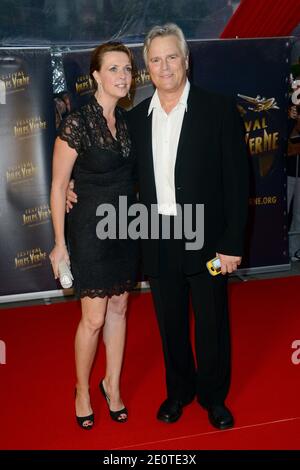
{"x": 115, "y": 75}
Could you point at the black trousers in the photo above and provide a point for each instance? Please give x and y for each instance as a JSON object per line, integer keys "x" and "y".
{"x": 209, "y": 376}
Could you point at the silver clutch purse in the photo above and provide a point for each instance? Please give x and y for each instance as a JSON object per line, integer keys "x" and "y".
{"x": 65, "y": 275}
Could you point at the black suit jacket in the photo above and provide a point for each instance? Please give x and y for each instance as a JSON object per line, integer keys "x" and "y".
{"x": 211, "y": 169}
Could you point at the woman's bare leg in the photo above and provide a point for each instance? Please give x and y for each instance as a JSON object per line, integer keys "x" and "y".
{"x": 114, "y": 332}
{"x": 86, "y": 341}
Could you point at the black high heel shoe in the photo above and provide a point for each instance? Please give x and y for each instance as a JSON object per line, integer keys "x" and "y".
{"x": 115, "y": 415}
{"x": 82, "y": 419}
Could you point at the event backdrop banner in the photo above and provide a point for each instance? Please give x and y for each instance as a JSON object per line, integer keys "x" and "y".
{"x": 77, "y": 74}
{"x": 256, "y": 73}
{"x": 26, "y": 133}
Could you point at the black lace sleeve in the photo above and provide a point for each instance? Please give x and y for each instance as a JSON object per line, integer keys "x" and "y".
{"x": 71, "y": 130}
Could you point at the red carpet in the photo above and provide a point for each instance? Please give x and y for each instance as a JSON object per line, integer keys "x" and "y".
{"x": 37, "y": 381}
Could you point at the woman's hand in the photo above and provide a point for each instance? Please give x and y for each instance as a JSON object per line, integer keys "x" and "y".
{"x": 71, "y": 196}
{"x": 58, "y": 254}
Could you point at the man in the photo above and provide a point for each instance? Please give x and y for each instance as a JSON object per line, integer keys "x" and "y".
{"x": 189, "y": 154}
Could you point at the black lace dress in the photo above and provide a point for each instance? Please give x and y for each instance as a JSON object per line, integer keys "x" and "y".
{"x": 103, "y": 172}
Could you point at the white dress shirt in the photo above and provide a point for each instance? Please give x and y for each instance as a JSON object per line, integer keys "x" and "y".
{"x": 166, "y": 130}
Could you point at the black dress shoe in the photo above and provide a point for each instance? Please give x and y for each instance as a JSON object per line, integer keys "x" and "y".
{"x": 170, "y": 410}
{"x": 220, "y": 417}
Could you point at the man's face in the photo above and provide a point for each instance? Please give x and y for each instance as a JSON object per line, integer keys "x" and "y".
{"x": 167, "y": 64}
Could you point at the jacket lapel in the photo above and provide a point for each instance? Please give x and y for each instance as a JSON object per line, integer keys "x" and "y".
{"x": 191, "y": 135}
{"x": 148, "y": 143}
{"x": 149, "y": 155}
{"x": 184, "y": 134}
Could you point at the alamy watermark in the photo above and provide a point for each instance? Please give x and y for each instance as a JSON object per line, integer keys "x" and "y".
{"x": 295, "y": 358}
{"x": 296, "y": 93}
{"x": 188, "y": 224}
{"x": 2, "y": 352}
{"x": 2, "y": 92}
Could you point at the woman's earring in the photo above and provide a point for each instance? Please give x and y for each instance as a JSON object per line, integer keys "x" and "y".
{"x": 129, "y": 95}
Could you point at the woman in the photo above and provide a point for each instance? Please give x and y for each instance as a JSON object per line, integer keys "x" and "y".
{"x": 94, "y": 144}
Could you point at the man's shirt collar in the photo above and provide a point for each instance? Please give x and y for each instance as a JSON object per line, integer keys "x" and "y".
{"x": 155, "y": 102}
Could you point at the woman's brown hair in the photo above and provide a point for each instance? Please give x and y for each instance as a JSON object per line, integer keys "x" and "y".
{"x": 98, "y": 53}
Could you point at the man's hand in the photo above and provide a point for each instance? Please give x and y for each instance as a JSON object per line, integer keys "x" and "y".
{"x": 71, "y": 196}
{"x": 229, "y": 263}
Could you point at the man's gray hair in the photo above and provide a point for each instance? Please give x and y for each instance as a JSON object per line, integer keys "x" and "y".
{"x": 168, "y": 29}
